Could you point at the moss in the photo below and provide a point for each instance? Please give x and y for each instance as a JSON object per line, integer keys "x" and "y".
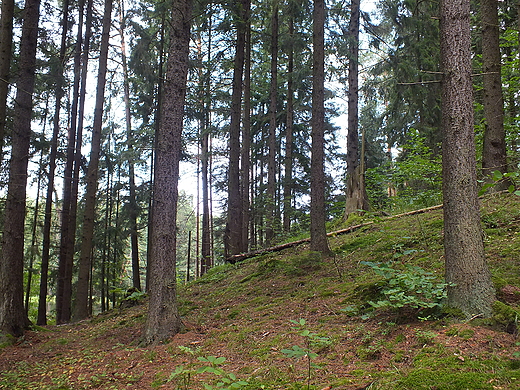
{"x": 506, "y": 316}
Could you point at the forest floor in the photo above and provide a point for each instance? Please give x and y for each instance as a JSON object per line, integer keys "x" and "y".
{"x": 295, "y": 320}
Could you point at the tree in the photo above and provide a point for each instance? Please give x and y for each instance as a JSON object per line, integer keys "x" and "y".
{"x": 13, "y": 319}
{"x": 233, "y": 237}
{"x": 356, "y": 196}
{"x": 163, "y": 319}
{"x": 271, "y": 160}
{"x": 133, "y": 207}
{"x": 494, "y": 148}
{"x": 72, "y": 167}
{"x": 319, "y": 240}
{"x": 6, "y": 44}
{"x": 42, "y": 301}
{"x": 81, "y": 309}
{"x": 470, "y": 287}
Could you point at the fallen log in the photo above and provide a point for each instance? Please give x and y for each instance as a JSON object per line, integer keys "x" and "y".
{"x": 242, "y": 256}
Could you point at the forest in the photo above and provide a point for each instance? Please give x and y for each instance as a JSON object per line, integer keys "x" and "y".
{"x": 144, "y": 143}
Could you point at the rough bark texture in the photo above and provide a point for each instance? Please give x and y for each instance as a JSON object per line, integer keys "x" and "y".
{"x": 494, "y": 148}
{"x": 271, "y": 160}
{"x": 81, "y": 309}
{"x": 71, "y": 174}
{"x": 319, "y": 240}
{"x": 46, "y": 242}
{"x": 6, "y": 44}
{"x": 356, "y": 196}
{"x": 163, "y": 319}
{"x": 471, "y": 289}
{"x": 245, "y": 171}
{"x": 13, "y": 319}
{"x": 233, "y": 236}
{"x": 133, "y": 210}
{"x": 288, "y": 160}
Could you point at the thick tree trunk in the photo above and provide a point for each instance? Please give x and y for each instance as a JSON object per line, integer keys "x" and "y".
{"x": 6, "y": 45}
{"x": 271, "y": 140}
{"x": 163, "y": 319}
{"x": 471, "y": 289}
{"x": 319, "y": 240}
{"x": 81, "y": 309}
{"x": 13, "y": 319}
{"x": 494, "y": 148}
{"x": 233, "y": 237}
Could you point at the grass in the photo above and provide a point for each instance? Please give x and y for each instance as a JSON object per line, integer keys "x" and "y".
{"x": 243, "y": 312}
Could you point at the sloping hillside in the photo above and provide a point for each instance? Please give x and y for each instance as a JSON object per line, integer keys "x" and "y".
{"x": 294, "y": 320}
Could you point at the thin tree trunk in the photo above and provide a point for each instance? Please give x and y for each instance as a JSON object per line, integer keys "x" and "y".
{"x": 233, "y": 237}
{"x": 494, "y": 148}
{"x": 319, "y": 240}
{"x": 288, "y": 176}
{"x": 6, "y": 46}
{"x": 163, "y": 319}
{"x": 13, "y": 319}
{"x": 356, "y": 197}
{"x": 470, "y": 288}
{"x": 271, "y": 140}
{"x": 133, "y": 210}
{"x": 246, "y": 145}
{"x": 81, "y": 307}
{"x": 42, "y": 303}
{"x": 71, "y": 173}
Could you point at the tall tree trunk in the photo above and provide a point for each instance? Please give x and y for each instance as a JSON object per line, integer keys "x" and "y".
{"x": 233, "y": 238}
{"x": 6, "y": 46}
{"x": 13, "y": 319}
{"x": 133, "y": 210}
{"x": 494, "y": 148}
{"x": 46, "y": 244}
{"x": 470, "y": 289}
{"x": 81, "y": 307}
{"x": 319, "y": 241}
{"x": 288, "y": 175}
{"x": 71, "y": 173}
{"x": 356, "y": 197}
{"x": 163, "y": 319}
{"x": 157, "y": 121}
{"x": 271, "y": 161}
{"x": 246, "y": 145}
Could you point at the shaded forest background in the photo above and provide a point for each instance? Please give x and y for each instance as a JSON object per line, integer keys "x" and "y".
{"x": 399, "y": 137}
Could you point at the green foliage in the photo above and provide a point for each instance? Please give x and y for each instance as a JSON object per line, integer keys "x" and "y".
{"x": 312, "y": 341}
{"x": 182, "y": 376}
{"x": 499, "y": 177}
{"x": 412, "y": 287}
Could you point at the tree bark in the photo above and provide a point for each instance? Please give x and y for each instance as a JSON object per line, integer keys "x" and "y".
{"x": 163, "y": 319}
{"x": 319, "y": 240}
{"x": 6, "y": 45}
{"x": 494, "y": 148}
{"x": 288, "y": 169}
{"x": 271, "y": 140}
{"x": 133, "y": 207}
{"x": 71, "y": 173}
{"x": 81, "y": 309}
{"x": 46, "y": 243}
{"x": 356, "y": 196}
{"x": 233, "y": 237}
{"x": 13, "y": 319}
{"x": 245, "y": 172}
{"x": 470, "y": 289}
